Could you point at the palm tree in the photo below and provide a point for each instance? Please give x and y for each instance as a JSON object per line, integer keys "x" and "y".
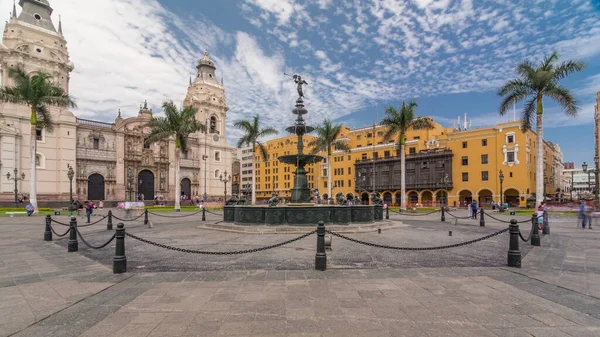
{"x": 37, "y": 91}
{"x": 252, "y": 133}
{"x": 534, "y": 82}
{"x": 327, "y": 140}
{"x": 399, "y": 121}
{"x": 178, "y": 124}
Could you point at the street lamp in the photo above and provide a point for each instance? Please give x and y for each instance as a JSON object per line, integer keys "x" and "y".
{"x": 70, "y": 175}
{"x": 16, "y": 178}
{"x": 585, "y": 170}
{"x": 501, "y": 209}
{"x": 445, "y": 183}
{"x": 225, "y": 180}
{"x": 130, "y": 182}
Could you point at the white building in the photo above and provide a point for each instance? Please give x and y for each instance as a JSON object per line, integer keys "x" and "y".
{"x": 578, "y": 184}
{"x": 244, "y": 155}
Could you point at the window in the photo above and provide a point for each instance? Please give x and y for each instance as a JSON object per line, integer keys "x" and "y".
{"x": 38, "y": 159}
{"x": 484, "y": 175}
{"x": 185, "y": 155}
{"x": 146, "y": 144}
{"x": 349, "y": 170}
{"x": 369, "y": 135}
{"x": 96, "y": 143}
{"x": 465, "y": 176}
{"x": 386, "y": 154}
{"x": 510, "y": 156}
{"x": 349, "y": 183}
{"x": 424, "y": 165}
{"x": 484, "y": 158}
{"x": 39, "y": 135}
{"x": 380, "y": 134}
{"x": 484, "y": 142}
{"x": 217, "y": 155}
{"x": 465, "y": 161}
{"x": 359, "y": 137}
{"x": 218, "y": 173}
{"x": 375, "y": 155}
{"x": 412, "y": 150}
{"x": 364, "y": 156}
{"x": 213, "y": 124}
{"x": 349, "y": 157}
{"x": 417, "y": 137}
{"x": 464, "y": 145}
{"x": 510, "y": 175}
{"x": 510, "y": 139}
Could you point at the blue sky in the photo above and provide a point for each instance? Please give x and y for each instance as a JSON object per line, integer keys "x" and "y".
{"x": 357, "y": 55}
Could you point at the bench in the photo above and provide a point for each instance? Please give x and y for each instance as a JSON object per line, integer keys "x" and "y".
{"x": 12, "y": 214}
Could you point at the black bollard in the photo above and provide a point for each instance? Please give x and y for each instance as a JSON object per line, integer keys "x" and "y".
{"x": 481, "y": 218}
{"x": 321, "y": 257}
{"x": 109, "y": 224}
{"x": 514, "y": 254}
{"x": 48, "y": 231}
{"x": 72, "y": 245}
{"x": 203, "y": 214}
{"x": 120, "y": 260}
{"x": 443, "y": 214}
{"x": 387, "y": 213}
{"x": 535, "y": 233}
{"x": 145, "y": 217}
{"x": 546, "y": 226}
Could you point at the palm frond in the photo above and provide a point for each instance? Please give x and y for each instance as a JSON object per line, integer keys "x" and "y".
{"x": 548, "y": 62}
{"x": 516, "y": 85}
{"x": 263, "y": 150}
{"x": 526, "y": 70}
{"x": 564, "y": 97}
{"x": 512, "y": 98}
{"x": 44, "y": 118}
{"x": 341, "y": 145}
{"x": 529, "y": 112}
{"x": 269, "y": 131}
{"x": 424, "y": 123}
{"x": 566, "y": 68}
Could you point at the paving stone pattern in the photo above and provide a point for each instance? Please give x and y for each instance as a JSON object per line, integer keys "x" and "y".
{"x": 45, "y": 291}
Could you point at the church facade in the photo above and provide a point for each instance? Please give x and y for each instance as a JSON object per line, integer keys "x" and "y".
{"x": 111, "y": 161}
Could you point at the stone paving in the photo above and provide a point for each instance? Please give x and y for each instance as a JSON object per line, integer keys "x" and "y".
{"x": 45, "y": 291}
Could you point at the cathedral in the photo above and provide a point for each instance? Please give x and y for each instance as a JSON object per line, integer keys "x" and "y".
{"x": 111, "y": 161}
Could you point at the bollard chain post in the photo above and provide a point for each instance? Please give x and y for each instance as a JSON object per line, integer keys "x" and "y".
{"x": 514, "y": 253}
{"x": 546, "y": 226}
{"x": 535, "y": 233}
{"x": 321, "y": 256}
{"x": 481, "y": 218}
{"x": 145, "y": 217}
{"x": 120, "y": 260}
{"x": 203, "y": 213}
{"x": 72, "y": 245}
{"x": 387, "y": 213}
{"x": 443, "y": 214}
{"x": 48, "y": 231}
{"x": 109, "y": 225}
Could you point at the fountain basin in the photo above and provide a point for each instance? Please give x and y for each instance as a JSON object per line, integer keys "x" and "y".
{"x": 302, "y": 215}
{"x": 303, "y": 158}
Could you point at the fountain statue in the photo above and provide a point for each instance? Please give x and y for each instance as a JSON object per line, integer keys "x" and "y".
{"x": 300, "y": 210}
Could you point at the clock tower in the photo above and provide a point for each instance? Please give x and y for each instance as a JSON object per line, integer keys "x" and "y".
{"x": 208, "y": 96}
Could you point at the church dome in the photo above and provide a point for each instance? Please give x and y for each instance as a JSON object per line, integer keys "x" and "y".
{"x": 206, "y": 61}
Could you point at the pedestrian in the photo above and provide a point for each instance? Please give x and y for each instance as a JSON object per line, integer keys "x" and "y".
{"x": 474, "y": 210}
{"x": 29, "y": 209}
{"x": 588, "y": 214}
{"x": 582, "y": 214}
{"x": 89, "y": 209}
{"x": 539, "y": 214}
{"x": 493, "y": 205}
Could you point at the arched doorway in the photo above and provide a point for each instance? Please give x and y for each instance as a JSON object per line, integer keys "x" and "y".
{"x": 96, "y": 187}
{"x": 398, "y": 198}
{"x": 364, "y": 198}
{"x": 387, "y": 198}
{"x": 413, "y": 198}
{"x": 186, "y": 188}
{"x": 427, "y": 198}
{"x": 485, "y": 198}
{"x": 440, "y": 197}
{"x": 146, "y": 184}
{"x": 511, "y": 197}
{"x": 465, "y": 197}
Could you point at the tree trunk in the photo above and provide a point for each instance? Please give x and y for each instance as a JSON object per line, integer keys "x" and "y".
{"x": 33, "y": 171}
{"x": 253, "y": 174}
{"x": 177, "y": 179}
{"x": 329, "y": 181}
{"x": 539, "y": 179}
{"x": 402, "y": 176}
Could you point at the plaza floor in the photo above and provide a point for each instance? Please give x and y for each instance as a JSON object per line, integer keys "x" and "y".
{"x": 366, "y": 291}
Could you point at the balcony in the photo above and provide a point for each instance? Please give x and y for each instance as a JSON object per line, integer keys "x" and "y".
{"x": 96, "y": 124}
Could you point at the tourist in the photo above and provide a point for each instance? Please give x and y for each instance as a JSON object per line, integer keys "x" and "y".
{"x": 582, "y": 214}
{"x": 540, "y": 216}
{"x": 100, "y": 204}
{"x": 89, "y": 209}
{"x": 474, "y": 209}
{"x": 493, "y": 205}
{"x": 29, "y": 209}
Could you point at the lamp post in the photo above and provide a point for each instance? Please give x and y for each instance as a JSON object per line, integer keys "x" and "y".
{"x": 225, "y": 179}
{"x": 205, "y": 158}
{"x": 16, "y": 178}
{"x": 445, "y": 183}
{"x": 130, "y": 182}
{"x": 70, "y": 175}
{"x": 501, "y": 209}
{"x": 585, "y": 170}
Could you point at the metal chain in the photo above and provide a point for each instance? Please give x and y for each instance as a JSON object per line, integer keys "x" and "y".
{"x": 60, "y": 223}
{"x": 139, "y": 216}
{"x": 93, "y": 223}
{"x": 458, "y": 217}
{"x": 207, "y": 211}
{"x": 171, "y": 216}
{"x": 192, "y": 251}
{"x": 94, "y": 247}
{"x": 60, "y": 235}
{"x": 417, "y": 248}
{"x": 522, "y": 221}
{"x": 530, "y": 233}
{"x": 413, "y": 214}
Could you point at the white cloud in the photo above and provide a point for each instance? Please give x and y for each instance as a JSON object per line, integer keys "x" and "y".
{"x": 283, "y": 9}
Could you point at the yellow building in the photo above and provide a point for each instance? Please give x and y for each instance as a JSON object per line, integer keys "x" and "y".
{"x": 471, "y": 159}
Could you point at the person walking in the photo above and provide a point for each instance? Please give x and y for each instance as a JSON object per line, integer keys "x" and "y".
{"x": 589, "y": 213}
{"x": 89, "y": 209}
{"x": 582, "y": 214}
{"x": 474, "y": 210}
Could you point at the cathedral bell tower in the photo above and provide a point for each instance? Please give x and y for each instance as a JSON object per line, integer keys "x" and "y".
{"x": 31, "y": 41}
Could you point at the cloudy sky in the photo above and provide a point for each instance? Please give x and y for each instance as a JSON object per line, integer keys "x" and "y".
{"x": 357, "y": 55}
